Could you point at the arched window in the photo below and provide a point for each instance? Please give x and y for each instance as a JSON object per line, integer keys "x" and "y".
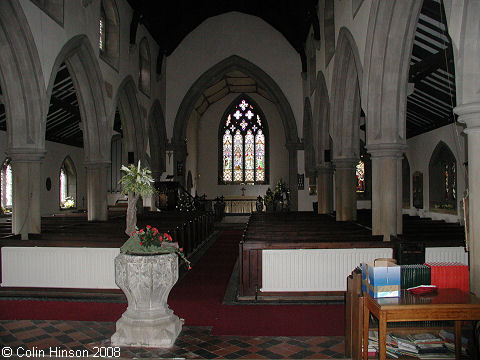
{"x": 144, "y": 65}
{"x": 109, "y": 33}
{"x": 243, "y": 144}
{"x": 360, "y": 176}
{"x": 6, "y": 178}
{"x": 443, "y": 180}
{"x": 68, "y": 184}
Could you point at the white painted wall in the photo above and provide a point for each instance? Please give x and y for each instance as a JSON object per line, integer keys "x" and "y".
{"x": 56, "y": 153}
{"x": 419, "y": 152}
{"x": 228, "y": 34}
{"x": 208, "y": 150}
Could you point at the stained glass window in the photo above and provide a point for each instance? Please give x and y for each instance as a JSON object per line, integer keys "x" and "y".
{"x": 243, "y": 143}
{"x": 6, "y": 185}
{"x": 360, "y": 176}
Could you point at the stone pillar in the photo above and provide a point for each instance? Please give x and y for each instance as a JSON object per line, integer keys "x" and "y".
{"x": 97, "y": 208}
{"x": 386, "y": 189}
{"x": 470, "y": 115}
{"x": 325, "y": 189}
{"x": 345, "y": 195}
{"x": 26, "y": 183}
{"x": 292, "y": 174}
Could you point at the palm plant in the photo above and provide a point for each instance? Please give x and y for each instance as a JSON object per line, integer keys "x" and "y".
{"x": 136, "y": 182}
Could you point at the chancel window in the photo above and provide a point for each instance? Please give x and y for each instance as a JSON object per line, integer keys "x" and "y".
{"x": 6, "y": 178}
{"x": 243, "y": 144}
{"x": 360, "y": 177}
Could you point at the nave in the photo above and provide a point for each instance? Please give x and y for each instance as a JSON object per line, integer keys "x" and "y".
{"x": 212, "y": 329}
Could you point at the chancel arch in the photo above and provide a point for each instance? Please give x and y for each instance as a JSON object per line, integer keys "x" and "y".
{"x": 272, "y": 90}
{"x": 346, "y": 111}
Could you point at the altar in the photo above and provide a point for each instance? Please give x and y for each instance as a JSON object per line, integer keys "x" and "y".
{"x": 239, "y": 204}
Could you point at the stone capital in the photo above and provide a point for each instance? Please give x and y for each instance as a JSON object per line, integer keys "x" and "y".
{"x": 392, "y": 151}
{"x": 469, "y": 114}
{"x": 325, "y": 169}
{"x": 345, "y": 163}
{"x": 294, "y": 146}
{"x": 26, "y": 154}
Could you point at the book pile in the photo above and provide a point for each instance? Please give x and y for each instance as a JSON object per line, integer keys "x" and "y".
{"x": 449, "y": 275}
{"x": 414, "y": 275}
{"x": 420, "y": 346}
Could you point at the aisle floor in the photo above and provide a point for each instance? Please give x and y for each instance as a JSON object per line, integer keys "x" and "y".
{"x": 86, "y": 338}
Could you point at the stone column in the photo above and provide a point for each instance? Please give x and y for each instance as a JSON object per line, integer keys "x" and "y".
{"x": 292, "y": 174}
{"x": 386, "y": 189}
{"x": 470, "y": 115}
{"x": 345, "y": 195}
{"x": 97, "y": 208}
{"x": 26, "y": 183}
{"x": 325, "y": 189}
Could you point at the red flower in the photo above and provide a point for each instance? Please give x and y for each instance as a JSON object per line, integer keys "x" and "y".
{"x": 189, "y": 267}
{"x": 141, "y": 243}
{"x": 140, "y": 231}
{"x": 149, "y": 227}
{"x": 155, "y": 231}
{"x": 181, "y": 249}
{"x": 169, "y": 238}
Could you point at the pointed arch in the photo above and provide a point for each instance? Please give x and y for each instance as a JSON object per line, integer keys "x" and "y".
{"x": 22, "y": 82}
{"x": 346, "y": 98}
{"x": 87, "y": 79}
{"x": 390, "y": 34}
{"x": 157, "y": 139}
{"x": 442, "y": 179}
{"x": 321, "y": 122}
{"x": 264, "y": 80}
{"x": 308, "y": 141}
{"x": 132, "y": 125}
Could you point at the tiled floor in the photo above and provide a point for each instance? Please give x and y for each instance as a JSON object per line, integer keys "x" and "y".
{"x": 47, "y": 338}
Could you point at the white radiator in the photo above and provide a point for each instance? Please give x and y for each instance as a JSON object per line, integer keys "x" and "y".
{"x": 446, "y": 254}
{"x": 313, "y": 269}
{"x": 59, "y": 267}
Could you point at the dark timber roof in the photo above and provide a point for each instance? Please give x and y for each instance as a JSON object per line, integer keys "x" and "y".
{"x": 431, "y": 67}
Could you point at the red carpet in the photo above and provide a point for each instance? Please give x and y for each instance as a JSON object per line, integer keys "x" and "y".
{"x": 197, "y": 298}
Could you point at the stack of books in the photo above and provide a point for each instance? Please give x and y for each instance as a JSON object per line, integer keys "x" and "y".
{"x": 449, "y": 275}
{"x": 414, "y": 275}
{"x": 420, "y": 346}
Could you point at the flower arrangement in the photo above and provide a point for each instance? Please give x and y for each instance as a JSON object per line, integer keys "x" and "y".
{"x": 136, "y": 182}
{"x": 150, "y": 241}
{"x": 68, "y": 203}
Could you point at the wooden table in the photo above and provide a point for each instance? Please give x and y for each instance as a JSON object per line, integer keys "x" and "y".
{"x": 446, "y": 304}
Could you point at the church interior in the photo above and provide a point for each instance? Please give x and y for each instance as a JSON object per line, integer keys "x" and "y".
{"x": 289, "y": 143}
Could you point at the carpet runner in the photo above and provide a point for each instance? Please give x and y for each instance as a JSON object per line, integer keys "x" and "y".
{"x": 197, "y": 298}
